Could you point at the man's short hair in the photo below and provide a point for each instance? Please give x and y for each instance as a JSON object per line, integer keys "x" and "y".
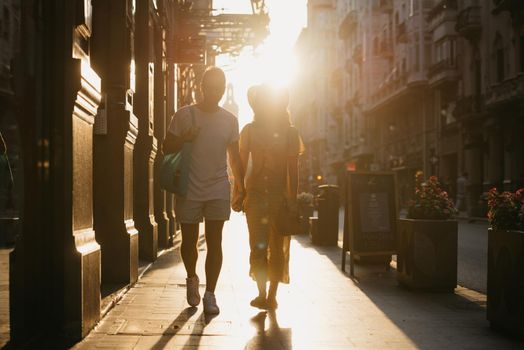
{"x": 213, "y": 73}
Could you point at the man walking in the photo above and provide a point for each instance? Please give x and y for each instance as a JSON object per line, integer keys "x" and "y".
{"x": 214, "y": 134}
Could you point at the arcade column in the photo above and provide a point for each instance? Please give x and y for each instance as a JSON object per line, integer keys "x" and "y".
{"x": 146, "y": 145}
{"x": 160, "y": 109}
{"x": 55, "y": 267}
{"x": 116, "y": 130}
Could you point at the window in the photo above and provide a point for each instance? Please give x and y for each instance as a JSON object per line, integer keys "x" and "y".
{"x": 417, "y": 58}
{"x": 6, "y": 19}
{"x": 452, "y": 52}
{"x": 521, "y": 52}
{"x": 444, "y": 50}
{"x": 500, "y": 65}
{"x": 499, "y": 58}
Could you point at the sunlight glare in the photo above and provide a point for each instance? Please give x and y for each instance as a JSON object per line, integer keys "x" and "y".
{"x": 274, "y": 61}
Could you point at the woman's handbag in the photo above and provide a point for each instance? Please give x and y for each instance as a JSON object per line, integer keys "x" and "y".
{"x": 288, "y": 222}
{"x": 174, "y": 173}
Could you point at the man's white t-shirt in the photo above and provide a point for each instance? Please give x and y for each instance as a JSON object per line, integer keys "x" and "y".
{"x": 208, "y": 178}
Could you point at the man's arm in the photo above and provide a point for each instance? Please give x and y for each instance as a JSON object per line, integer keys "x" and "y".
{"x": 172, "y": 144}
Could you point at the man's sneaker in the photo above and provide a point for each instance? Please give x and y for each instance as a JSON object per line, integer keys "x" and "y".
{"x": 193, "y": 295}
{"x": 210, "y": 304}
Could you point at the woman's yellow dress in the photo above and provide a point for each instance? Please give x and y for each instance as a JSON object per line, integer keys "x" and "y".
{"x": 266, "y": 193}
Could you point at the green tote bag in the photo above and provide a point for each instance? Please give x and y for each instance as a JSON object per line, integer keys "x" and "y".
{"x": 174, "y": 173}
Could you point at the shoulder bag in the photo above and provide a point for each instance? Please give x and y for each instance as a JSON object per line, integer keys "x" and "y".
{"x": 174, "y": 173}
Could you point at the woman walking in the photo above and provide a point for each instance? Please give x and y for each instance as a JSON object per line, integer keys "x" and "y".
{"x": 273, "y": 146}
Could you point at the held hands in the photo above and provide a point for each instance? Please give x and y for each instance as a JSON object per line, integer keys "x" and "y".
{"x": 237, "y": 202}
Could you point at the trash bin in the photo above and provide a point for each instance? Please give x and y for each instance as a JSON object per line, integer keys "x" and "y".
{"x": 328, "y": 205}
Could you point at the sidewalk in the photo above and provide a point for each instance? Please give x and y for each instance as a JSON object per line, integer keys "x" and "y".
{"x": 4, "y": 295}
{"x": 321, "y": 309}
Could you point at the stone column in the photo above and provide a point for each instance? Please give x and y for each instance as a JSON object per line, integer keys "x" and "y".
{"x": 115, "y": 135}
{"x": 55, "y": 267}
{"x": 146, "y": 146}
{"x": 160, "y": 90}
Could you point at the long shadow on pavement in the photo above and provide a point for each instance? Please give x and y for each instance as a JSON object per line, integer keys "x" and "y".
{"x": 429, "y": 320}
{"x": 272, "y": 338}
{"x": 174, "y": 328}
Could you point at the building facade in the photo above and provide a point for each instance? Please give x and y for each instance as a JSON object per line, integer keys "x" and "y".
{"x": 432, "y": 86}
{"x": 9, "y": 195}
{"x": 315, "y": 95}
{"x": 92, "y": 86}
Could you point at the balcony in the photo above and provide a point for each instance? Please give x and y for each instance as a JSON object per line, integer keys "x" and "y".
{"x": 348, "y": 66}
{"x": 512, "y": 6}
{"x": 384, "y": 6}
{"x": 336, "y": 78}
{"x": 509, "y": 91}
{"x": 385, "y": 49}
{"x": 468, "y": 107}
{"x": 351, "y": 102}
{"x": 357, "y": 54}
{"x": 442, "y": 72}
{"x": 442, "y": 6}
{"x": 444, "y": 11}
{"x": 5, "y": 82}
{"x": 402, "y": 35}
{"x": 387, "y": 91}
{"x": 348, "y": 25}
{"x": 337, "y": 113}
{"x": 469, "y": 23}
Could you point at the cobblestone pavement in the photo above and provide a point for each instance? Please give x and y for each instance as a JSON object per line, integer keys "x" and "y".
{"x": 322, "y": 308}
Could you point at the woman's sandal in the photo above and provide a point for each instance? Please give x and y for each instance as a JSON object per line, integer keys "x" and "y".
{"x": 259, "y": 302}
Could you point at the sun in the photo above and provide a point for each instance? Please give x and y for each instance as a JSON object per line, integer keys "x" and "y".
{"x": 274, "y": 61}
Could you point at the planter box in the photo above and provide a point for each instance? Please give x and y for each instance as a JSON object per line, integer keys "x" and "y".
{"x": 505, "y": 306}
{"x": 305, "y": 213}
{"x": 427, "y": 254}
{"x": 373, "y": 259}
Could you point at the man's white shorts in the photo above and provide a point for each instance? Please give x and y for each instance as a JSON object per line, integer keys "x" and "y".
{"x": 192, "y": 212}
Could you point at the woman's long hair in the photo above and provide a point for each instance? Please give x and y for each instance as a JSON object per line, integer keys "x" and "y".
{"x": 270, "y": 106}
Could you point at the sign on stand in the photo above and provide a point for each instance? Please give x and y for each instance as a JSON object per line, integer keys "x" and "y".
{"x": 370, "y": 217}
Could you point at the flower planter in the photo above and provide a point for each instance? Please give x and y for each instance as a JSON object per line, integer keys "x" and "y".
{"x": 427, "y": 254}
{"x": 505, "y": 304}
{"x": 373, "y": 259}
{"x": 305, "y": 213}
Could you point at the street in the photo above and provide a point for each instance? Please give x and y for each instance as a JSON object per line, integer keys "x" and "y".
{"x": 473, "y": 255}
{"x": 472, "y": 259}
{"x": 322, "y": 308}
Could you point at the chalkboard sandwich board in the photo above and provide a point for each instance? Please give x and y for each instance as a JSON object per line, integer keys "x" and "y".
{"x": 370, "y": 218}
